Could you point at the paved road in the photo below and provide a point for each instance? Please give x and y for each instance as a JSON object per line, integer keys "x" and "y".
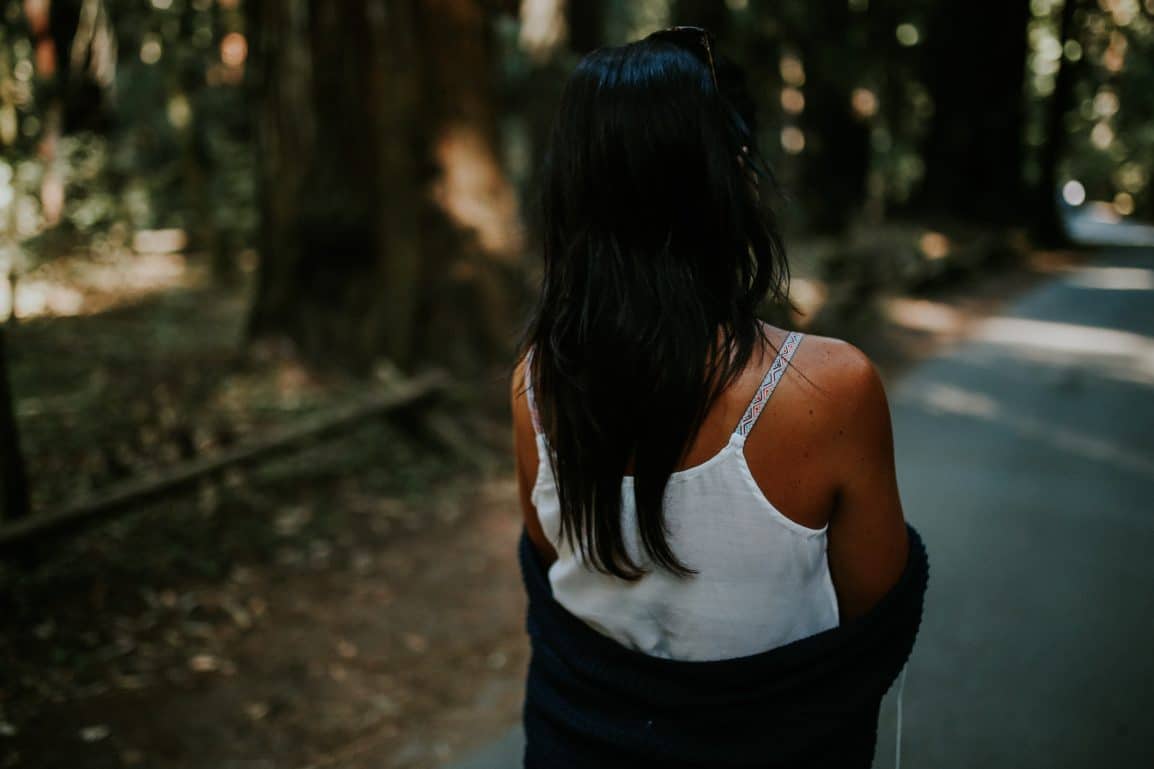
{"x": 1026, "y": 458}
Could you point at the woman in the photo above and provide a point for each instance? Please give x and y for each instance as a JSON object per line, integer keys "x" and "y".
{"x": 718, "y": 566}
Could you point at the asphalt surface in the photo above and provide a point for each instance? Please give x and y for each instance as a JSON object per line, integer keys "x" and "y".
{"x": 1026, "y": 459}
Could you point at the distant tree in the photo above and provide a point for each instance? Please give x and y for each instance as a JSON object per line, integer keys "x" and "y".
{"x": 75, "y": 59}
{"x": 200, "y": 78}
{"x": 975, "y": 61}
{"x": 1108, "y": 144}
{"x": 15, "y": 145}
{"x": 1049, "y": 229}
{"x": 552, "y": 36}
{"x": 836, "y": 160}
{"x": 803, "y": 61}
{"x": 13, "y": 479}
{"x": 586, "y": 22}
{"x": 386, "y": 224}
{"x": 471, "y": 278}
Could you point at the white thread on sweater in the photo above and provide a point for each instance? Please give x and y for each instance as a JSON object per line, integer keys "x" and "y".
{"x": 898, "y": 730}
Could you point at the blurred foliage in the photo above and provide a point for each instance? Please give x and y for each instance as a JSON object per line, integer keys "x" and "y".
{"x": 170, "y": 145}
{"x": 1111, "y": 125}
{"x": 870, "y": 58}
{"x": 133, "y": 116}
{"x": 127, "y": 131}
{"x": 166, "y": 140}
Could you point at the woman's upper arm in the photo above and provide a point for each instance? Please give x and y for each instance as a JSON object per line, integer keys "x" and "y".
{"x": 868, "y": 544}
{"x": 526, "y": 461}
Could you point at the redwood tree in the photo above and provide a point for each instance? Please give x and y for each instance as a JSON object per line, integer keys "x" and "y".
{"x": 975, "y": 59}
{"x": 1049, "y": 225}
{"x": 386, "y": 222}
{"x": 13, "y": 479}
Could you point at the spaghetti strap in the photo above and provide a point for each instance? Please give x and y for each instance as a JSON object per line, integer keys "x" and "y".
{"x": 768, "y": 384}
{"x": 529, "y": 392}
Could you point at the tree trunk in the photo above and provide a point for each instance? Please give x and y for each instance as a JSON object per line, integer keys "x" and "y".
{"x": 973, "y": 153}
{"x": 533, "y": 99}
{"x": 471, "y": 267}
{"x": 13, "y": 479}
{"x": 1050, "y": 230}
{"x": 836, "y": 160}
{"x": 206, "y": 232}
{"x": 586, "y": 22}
{"x": 338, "y": 178}
{"x": 834, "y": 163}
{"x": 377, "y": 171}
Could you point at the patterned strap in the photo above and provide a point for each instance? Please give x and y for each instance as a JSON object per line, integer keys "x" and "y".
{"x": 529, "y": 392}
{"x": 769, "y": 383}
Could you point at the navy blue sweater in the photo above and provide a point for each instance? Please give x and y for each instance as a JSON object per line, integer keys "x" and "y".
{"x": 591, "y": 703}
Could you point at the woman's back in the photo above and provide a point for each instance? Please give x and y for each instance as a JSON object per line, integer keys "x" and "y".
{"x": 804, "y": 501}
{"x": 762, "y": 578}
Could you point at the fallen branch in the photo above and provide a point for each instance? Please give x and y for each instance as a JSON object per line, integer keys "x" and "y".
{"x": 121, "y": 497}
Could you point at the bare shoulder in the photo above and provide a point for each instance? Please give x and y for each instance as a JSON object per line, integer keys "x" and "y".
{"x": 841, "y": 363}
{"x": 839, "y": 375}
{"x": 821, "y": 404}
{"x": 841, "y": 390}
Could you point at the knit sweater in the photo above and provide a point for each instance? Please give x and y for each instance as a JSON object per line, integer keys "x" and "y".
{"x": 592, "y": 703}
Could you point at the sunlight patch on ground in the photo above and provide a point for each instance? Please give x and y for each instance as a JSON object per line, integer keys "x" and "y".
{"x": 942, "y": 398}
{"x": 1113, "y": 278}
{"x": 36, "y": 298}
{"x": 1098, "y": 223}
{"x": 1121, "y": 353}
{"x": 159, "y": 241}
{"x": 81, "y": 286}
{"x": 924, "y": 315}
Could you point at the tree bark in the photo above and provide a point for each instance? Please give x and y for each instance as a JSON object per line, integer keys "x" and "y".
{"x": 533, "y": 98}
{"x": 975, "y": 54}
{"x": 13, "y": 478}
{"x": 586, "y": 22}
{"x": 1050, "y": 230}
{"x": 85, "y": 61}
{"x": 471, "y": 267}
{"x": 324, "y": 167}
{"x": 382, "y": 199}
{"x": 836, "y": 161}
{"x": 834, "y": 164}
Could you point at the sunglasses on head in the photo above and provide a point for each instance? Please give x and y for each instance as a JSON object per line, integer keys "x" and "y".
{"x": 699, "y": 40}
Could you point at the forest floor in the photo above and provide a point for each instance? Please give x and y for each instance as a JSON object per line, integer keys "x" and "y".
{"x": 355, "y": 604}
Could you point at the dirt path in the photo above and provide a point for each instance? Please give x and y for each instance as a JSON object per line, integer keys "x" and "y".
{"x": 352, "y": 605}
{"x": 399, "y": 647}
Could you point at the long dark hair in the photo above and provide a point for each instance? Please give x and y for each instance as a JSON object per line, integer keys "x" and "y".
{"x": 658, "y": 252}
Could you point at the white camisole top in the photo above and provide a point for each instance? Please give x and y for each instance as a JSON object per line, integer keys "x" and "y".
{"x": 763, "y": 579}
